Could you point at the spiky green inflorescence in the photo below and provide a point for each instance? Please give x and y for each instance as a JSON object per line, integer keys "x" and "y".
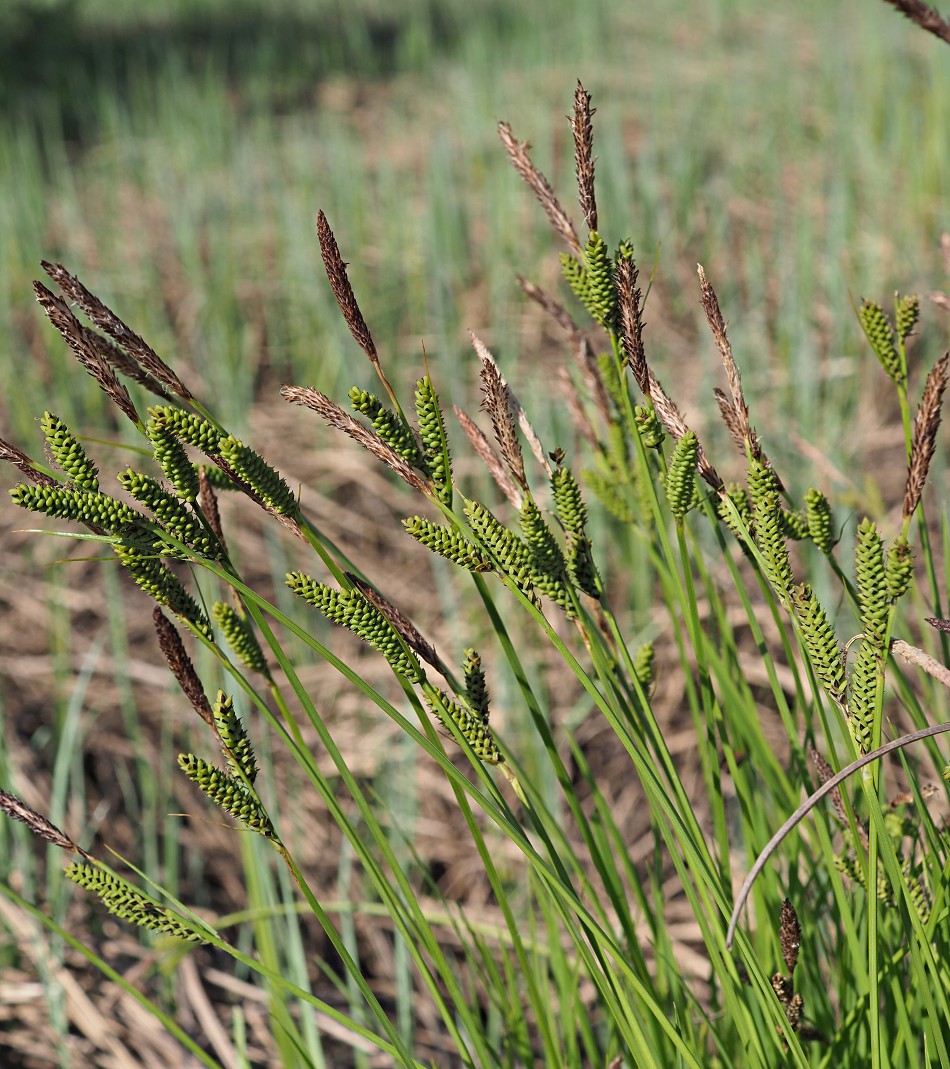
{"x": 649, "y": 427}
{"x": 390, "y": 426}
{"x": 550, "y": 568}
{"x": 601, "y": 299}
{"x": 880, "y": 335}
{"x": 129, "y": 904}
{"x": 820, "y": 641}
{"x": 681, "y": 474}
{"x": 575, "y": 276}
{"x": 476, "y": 691}
{"x": 794, "y": 524}
{"x": 469, "y": 724}
{"x": 170, "y": 513}
{"x": 240, "y": 636}
{"x": 907, "y": 312}
{"x": 899, "y": 568}
{"x": 762, "y": 481}
{"x": 188, "y": 427}
{"x": 568, "y": 503}
{"x": 435, "y": 442}
{"x": 766, "y": 515}
{"x": 448, "y": 543}
{"x": 818, "y": 514}
{"x": 86, "y": 506}
{"x": 866, "y": 675}
{"x": 237, "y": 746}
{"x": 68, "y": 454}
{"x": 171, "y": 457}
{"x": 354, "y": 612}
{"x": 228, "y": 793}
{"x": 873, "y": 599}
{"x": 164, "y": 586}
{"x": 251, "y": 468}
{"x": 511, "y": 556}
{"x": 739, "y": 497}
{"x": 847, "y": 863}
{"x": 644, "y": 665}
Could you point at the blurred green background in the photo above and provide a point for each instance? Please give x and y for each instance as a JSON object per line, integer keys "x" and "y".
{"x": 174, "y": 155}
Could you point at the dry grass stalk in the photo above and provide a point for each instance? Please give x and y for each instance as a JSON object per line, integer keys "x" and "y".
{"x": 924, "y": 439}
{"x": 407, "y": 630}
{"x": 583, "y": 131}
{"x": 14, "y": 456}
{"x": 181, "y": 667}
{"x": 37, "y": 823}
{"x": 539, "y": 185}
{"x": 738, "y": 423}
{"x": 913, "y": 655}
{"x": 630, "y": 301}
{"x": 925, "y": 16}
{"x": 82, "y": 341}
{"x": 498, "y": 403}
{"x": 554, "y": 308}
{"x": 337, "y": 418}
{"x": 489, "y": 457}
{"x": 669, "y": 415}
{"x": 105, "y": 319}
{"x": 208, "y": 502}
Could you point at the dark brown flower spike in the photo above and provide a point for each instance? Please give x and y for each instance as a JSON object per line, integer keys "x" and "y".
{"x": 924, "y": 438}
{"x": 181, "y": 667}
{"x": 583, "y": 132}
{"x": 497, "y": 402}
{"x": 208, "y": 502}
{"x": 105, "y": 319}
{"x": 490, "y": 458}
{"x": 789, "y": 936}
{"x": 925, "y": 16}
{"x": 630, "y": 301}
{"x": 669, "y": 415}
{"x": 406, "y": 628}
{"x": 14, "y": 456}
{"x": 37, "y": 823}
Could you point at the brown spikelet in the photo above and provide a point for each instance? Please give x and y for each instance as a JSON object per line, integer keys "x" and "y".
{"x": 669, "y": 415}
{"x": 554, "y": 308}
{"x": 925, "y": 16}
{"x": 342, "y": 290}
{"x": 789, "y": 936}
{"x": 579, "y": 416}
{"x": 14, "y": 456}
{"x": 739, "y": 426}
{"x": 539, "y": 185}
{"x": 583, "y": 132}
{"x": 939, "y": 624}
{"x": 173, "y": 649}
{"x": 491, "y": 460}
{"x": 729, "y": 417}
{"x": 924, "y": 438}
{"x": 406, "y": 628}
{"x": 208, "y": 502}
{"x": 630, "y": 300}
{"x": 586, "y": 362}
{"x": 941, "y": 300}
{"x": 37, "y": 823}
{"x": 136, "y": 348}
{"x": 337, "y": 418}
{"x": 82, "y": 341}
{"x": 837, "y": 802}
{"x": 497, "y": 402}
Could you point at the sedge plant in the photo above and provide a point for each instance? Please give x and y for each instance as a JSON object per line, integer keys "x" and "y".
{"x": 841, "y": 958}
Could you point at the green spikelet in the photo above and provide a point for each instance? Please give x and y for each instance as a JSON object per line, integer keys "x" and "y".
{"x": 606, "y": 484}
{"x": 568, "y": 504}
{"x": 907, "y": 312}
{"x": 86, "y": 506}
{"x": 899, "y": 568}
{"x": 170, "y": 513}
{"x": 581, "y": 567}
{"x": 435, "y": 442}
{"x": 171, "y": 457}
{"x": 129, "y": 904}
{"x": 820, "y": 526}
{"x": 265, "y": 481}
{"x": 917, "y": 890}
{"x": 448, "y": 543}
{"x": 737, "y": 494}
{"x": 820, "y": 641}
{"x": 189, "y": 428}
{"x": 476, "y": 691}
{"x": 575, "y": 276}
{"x": 601, "y": 293}
{"x": 511, "y": 555}
{"x": 389, "y": 426}
{"x": 217, "y": 479}
{"x": 681, "y": 475}
{"x": 68, "y": 454}
{"x": 794, "y": 525}
{"x": 237, "y": 746}
{"x": 351, "y": 610}
{"x": 880, "y": 335}
{"x": 228, "y": 793}
{"x": 762, "y": 481}
{"x": 644, "y": 665}
{"x": 771, "y": 542}
{"x": 648, "y": 426}
{"x": 872, "y": 584}
{"x": 470, "y": 726}
{"x": 550, "y": 569}
{"x": 240, "y": 637}
{"x": 164, "y": 586}
{"x": 862, "y": 695}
